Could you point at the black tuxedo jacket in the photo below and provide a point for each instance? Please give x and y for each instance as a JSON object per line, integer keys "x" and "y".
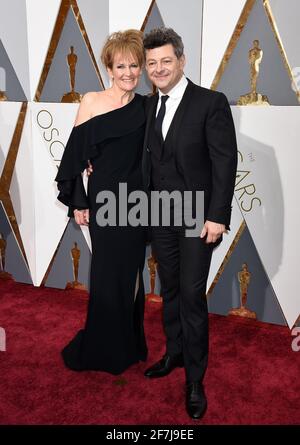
{"x": 204, "y": 147}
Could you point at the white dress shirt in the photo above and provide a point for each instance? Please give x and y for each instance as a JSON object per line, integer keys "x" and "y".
{"x": 175, "y": 96}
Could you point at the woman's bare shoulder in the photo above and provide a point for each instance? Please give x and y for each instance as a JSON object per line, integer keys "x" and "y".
{"x": 90, "y": 97}
{"x": 89, "y": 102}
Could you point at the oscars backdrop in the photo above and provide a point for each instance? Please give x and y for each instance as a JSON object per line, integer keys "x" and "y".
{"x": 249, "y": 49}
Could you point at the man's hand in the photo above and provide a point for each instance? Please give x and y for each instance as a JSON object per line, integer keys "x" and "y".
{"x": 89, "y": 169}
{"x": 82, "y": 217}
{"x": 213, "y": 231}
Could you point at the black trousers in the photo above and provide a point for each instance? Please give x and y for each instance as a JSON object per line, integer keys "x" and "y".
{"x": 183, "y": 267}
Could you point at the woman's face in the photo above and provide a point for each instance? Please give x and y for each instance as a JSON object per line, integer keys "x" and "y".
{"x": 125, "y": 72}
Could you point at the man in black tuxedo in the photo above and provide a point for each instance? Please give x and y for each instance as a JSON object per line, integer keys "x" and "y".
{"x": 190, "y": 144}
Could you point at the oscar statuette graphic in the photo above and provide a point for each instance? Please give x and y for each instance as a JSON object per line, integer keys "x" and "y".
{"x": 2, "y": 96}
{"x": 244, "y": 279}
{"x": 254, "y": 98}
{"x": 75, "y": 254}
{"x": 72, "y": 96}
{"x": 152, "y": 265}
{"x": 3, "y": 275}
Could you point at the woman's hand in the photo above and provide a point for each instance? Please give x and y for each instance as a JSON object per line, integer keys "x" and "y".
{"x": 82, "y": 217}
{"x": 89, "y": 169}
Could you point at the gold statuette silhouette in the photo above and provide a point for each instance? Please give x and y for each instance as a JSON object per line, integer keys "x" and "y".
{"x": 254, "y": 98}
{"x": 75, "y": 254}
{"x": 152, "y": 265}
{"x": 72, "y": 96}
{"x": 3, "y": 275}
{"x": 244, "y": 279}
{"x": 2, "y": 96}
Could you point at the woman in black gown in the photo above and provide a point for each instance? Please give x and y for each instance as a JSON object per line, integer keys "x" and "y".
{"x": 109, "y": 131}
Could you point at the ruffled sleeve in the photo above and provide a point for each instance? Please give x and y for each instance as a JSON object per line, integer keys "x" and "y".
{"x": 69, "y": 178}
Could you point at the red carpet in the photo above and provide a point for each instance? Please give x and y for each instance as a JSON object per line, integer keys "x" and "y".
{"x": 253, "y": 374}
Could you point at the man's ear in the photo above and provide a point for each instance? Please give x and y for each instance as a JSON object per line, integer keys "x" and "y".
{"x": 182, "y": 61}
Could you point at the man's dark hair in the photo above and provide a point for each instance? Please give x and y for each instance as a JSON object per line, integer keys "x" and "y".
{"x": 163, "y": 36}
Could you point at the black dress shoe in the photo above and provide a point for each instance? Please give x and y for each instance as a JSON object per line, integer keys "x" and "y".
{"x": 164, "y": 366}
{"x": 196, "y": 402}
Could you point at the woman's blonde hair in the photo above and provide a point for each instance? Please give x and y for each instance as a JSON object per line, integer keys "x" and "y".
{"x": 128, "y": 42}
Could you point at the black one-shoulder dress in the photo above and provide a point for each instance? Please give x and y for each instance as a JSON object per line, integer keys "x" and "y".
{"x": 113, "y": 336}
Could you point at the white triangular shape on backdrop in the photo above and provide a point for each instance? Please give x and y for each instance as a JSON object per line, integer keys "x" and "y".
{"x": 286, "y": 16}
{"x": 221, "y": 251}
{"x": 50, "y": 215}
{"x": 41, "y": 21}
{"x": 125, "y": 15}
{"x": 268, "y": 142}
{"x": 216, "y": 34}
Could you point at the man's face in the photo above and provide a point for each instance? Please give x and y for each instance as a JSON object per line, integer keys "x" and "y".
{"x": 163, "y": 67}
